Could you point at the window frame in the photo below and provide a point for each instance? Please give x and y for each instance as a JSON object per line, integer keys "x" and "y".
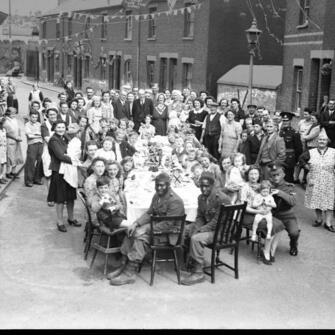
{"x": 189, "y": 19}
{"x": 103, "y": 67}
{"x": 187, "y": 75}
{"x": 299, "y": 73}
{"x": 129, "y": 26}
{"x": 57, "y": 29}
{"x": 152, "y": 23}
{"x": 87, "y": 61}
{"x": 103, "y": 35}
{"x": 304, "y": 12}
{"x": 87, "y": 27}
{"x": 69, "y": 27}
{"x": 151, "y": 67}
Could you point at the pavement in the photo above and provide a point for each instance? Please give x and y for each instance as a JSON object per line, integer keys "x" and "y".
{"x": 46, "y": 283}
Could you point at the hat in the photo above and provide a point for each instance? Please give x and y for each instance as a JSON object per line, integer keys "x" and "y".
{"x": 287, "y": 116}
{"x": 163, "y": 177}
{"x": 252, "y": 106}
{"x": 277, "y": 166}
{"x": 208, "y": 175}
{"x": 73, "y": 128}
{"x": 213, "y": 103}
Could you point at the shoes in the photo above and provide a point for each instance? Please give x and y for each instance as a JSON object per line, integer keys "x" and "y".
{"x": 29, "y": 185}
{"x": 38, "y": 182}
{"x": 317, "y": 223}
{"x": 74, "y": 223}
{"x": 116, "y": 272}
{"x": 330, "y": 228}
{"x": 3, "y": 181}
{"x": 272, "y": 258}
{"x": 15, "y": 176}
{"x": 127, "y": 276}
{"x": 51, "y": 203}
{"x": 62, "y": 228}
{"x": 194, "y": 278}
{"x": 9, "y": 176}
{"x": 265, "y": 261}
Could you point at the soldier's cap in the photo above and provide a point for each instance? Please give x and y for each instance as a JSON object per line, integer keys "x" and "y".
{"x": 207, "y": 175}
{"x": 277, "y": 166}
{"x": 287, "y": 116}
{"x": 162, "y": 177}
{"x": 213, "y": 103}
{"x": 252, "y": 106}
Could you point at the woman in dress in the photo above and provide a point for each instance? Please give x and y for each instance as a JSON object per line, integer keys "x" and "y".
{"x": 248, "y": 193}
{"x": 147, "y": 130}
{"x": 320, "y": 189}
{"x": 94, "y": 114}
{"x": 60, "y": 192}
{"x": 196, "y": 117}
{"x": 47, "y": 132}
{"x": 223, "y": 106}
{"x": 230, "y": 134}
{"x": 106, "y": 105}
{"x": 311, "y": 137}
{"x": 14, "y": 152}
{"x": 175, "y": 109}
{"x": 160, "y": 116}
{"x": 98, "y": 167}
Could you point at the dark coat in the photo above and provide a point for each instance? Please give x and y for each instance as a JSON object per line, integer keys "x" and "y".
{"x": 209, "y": 210}
{"x": 329, "y": 128}
{"x": 125, "y": 148}
{"x": 277, "y": 149}
{"x": 69, "y": 119}
{"x": 141, "y": 111}
{"x": 254, "y": 146}
{"x": 293, "y": 145}
{"x": 57, "y": 149}
{"x": 120, "y": 110}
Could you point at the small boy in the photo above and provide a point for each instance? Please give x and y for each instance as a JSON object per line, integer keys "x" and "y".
{"x": 110, "y": 211}
{"x": 263, "y": 201}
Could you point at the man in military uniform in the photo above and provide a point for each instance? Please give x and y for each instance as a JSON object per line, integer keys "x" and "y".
{"x": 134, "y": 247}
{"x": 202, "y": 231}
{"x": 284, "y": 196}
{"x": 293, "y": 145}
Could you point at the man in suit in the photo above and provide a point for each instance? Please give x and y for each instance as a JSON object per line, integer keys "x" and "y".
{"x": 121, "y": 147}
{"x": 130, "y": 105}
{"x": 64, "y": 114}
{"x": 255, "y": 140}
{"x": 134, "y": 247}
{"x": 327, "y": 121}
{"x": 142, "y": 107}
{"x": 119, "y": 106}
{"x": 272, "y": 150}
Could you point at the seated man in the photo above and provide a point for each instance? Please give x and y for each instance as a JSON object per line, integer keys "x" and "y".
{"x": 202, "y": 231}
{"x": 165, "y": 202}
{"x": 284, "y": 196}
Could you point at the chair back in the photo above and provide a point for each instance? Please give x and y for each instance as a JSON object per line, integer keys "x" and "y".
{"x": 83, "y": 198}
{"x": 229, "y": 227}
{"x": 164, "y": 226}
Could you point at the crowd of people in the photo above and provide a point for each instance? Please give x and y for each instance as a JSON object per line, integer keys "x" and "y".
{"x": 97, "y": 141}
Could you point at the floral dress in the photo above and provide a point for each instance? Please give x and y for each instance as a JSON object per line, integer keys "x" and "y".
{"x": 320, "y": 190}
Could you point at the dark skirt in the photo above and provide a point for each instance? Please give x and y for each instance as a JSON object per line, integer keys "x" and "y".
{"x": 277, "y": 225}
{"x": 60, "y": 191}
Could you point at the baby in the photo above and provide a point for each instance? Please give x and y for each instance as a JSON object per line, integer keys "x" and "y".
{"x": 263, "y": 201}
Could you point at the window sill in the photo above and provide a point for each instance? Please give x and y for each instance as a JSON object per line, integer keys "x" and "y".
{"x": 128, "y": 39}
{"x": 151, "y": 39}
{"x": 303, "y": 26}
{"x": 103, "y": 39}
{"x": 188, "y": 38}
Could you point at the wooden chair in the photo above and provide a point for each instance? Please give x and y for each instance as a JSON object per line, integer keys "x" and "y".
{"x": 90, "y": 228}
{"x": 109, "y": 247}
{"x": 156, "y": 233}
{"x": 227, "y": 235}
{"x": 258, "y": 242}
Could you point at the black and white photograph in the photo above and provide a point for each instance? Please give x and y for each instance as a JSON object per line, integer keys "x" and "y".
{"x": 167, "y": 164}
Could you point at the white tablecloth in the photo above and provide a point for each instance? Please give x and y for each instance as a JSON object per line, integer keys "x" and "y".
{"x": 139, "y": 193}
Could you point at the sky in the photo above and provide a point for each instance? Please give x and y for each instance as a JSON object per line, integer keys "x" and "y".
{"x": 22, "y": 7}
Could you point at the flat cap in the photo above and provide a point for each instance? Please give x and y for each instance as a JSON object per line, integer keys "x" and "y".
{"x": 163, "y": 177}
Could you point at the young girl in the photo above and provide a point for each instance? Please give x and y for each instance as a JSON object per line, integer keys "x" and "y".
{"x": 130, "y": 127}
{"x": 235, "y": 176}
{"x": 244, "y": 146}
{"x": 3, "y": 152}
{"x": 114, "y": 172}
{"x": 147, "y": 130}
{"x": 106, "y": 151}
{"x": 128, "y": 167}
{"x": 264, "y": 200}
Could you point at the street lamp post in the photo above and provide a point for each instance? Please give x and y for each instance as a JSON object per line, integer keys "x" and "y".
{"x": 252, "y": 34}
